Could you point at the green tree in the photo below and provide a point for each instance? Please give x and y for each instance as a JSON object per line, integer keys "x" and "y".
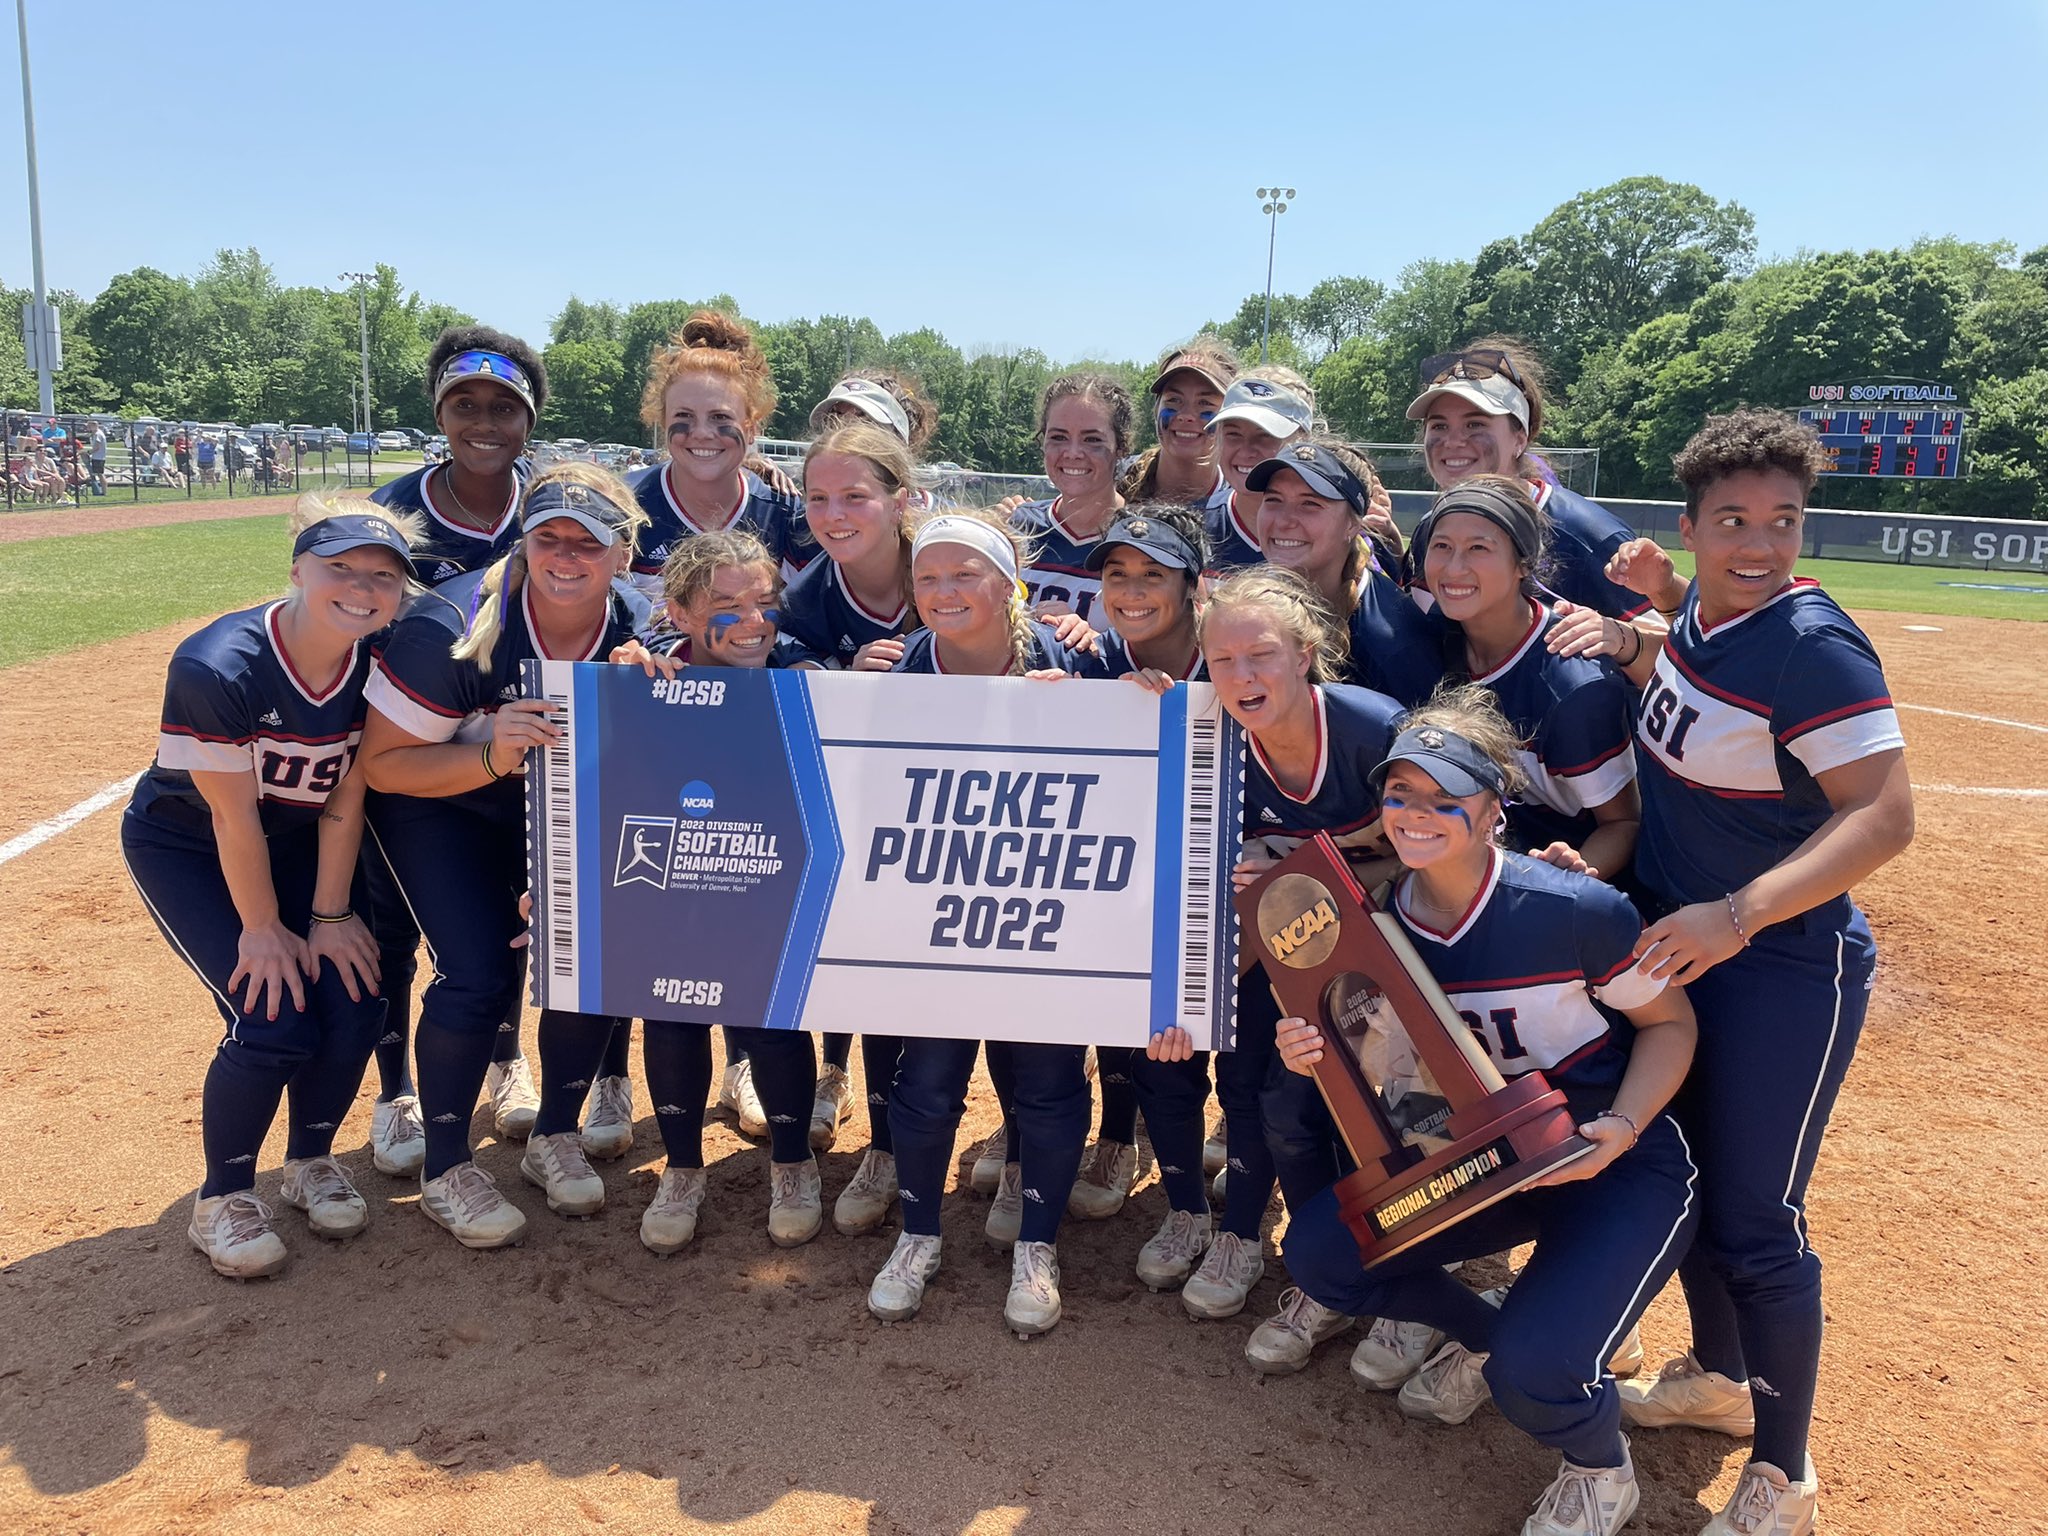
{"x": 583, "y": 382}
{"x": 579, "y": 321}
{"x": 2008, "y": 462}
{"x": 1335, "y": 311}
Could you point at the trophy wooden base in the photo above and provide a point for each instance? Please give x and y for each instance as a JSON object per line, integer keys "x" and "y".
{"x": 1501, "y": 1144}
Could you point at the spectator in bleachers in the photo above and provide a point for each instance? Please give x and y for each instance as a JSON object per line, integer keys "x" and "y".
{"x": 208, "y": 456}
{"x": 96, "y": 459}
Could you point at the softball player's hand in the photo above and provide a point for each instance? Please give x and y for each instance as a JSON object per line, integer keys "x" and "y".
{"x": 1171, "y": 1044}
{"x": 1583, "y": 632}
{"x": 517, "y": 727}
{"x": 1610, "y": 1137}
{"x": 1300, "y": 1043}
{"x": 1565, "y": 856}
{"x": 1642, "y": 566}
{"x": 634, "y": 654}
{"x": 1691, "y": 941}
{"x": 1068, "y": 627}
{"x": 349, "y": 948}
{"x": 525, "y": 935}
{"x": 1251, "y": 864}
{"x": 274, "y": 960}
{"x": 876, "y": 656}
{"x": 1151, "y": 679}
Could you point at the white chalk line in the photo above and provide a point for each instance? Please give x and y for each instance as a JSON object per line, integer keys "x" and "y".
{"x": 1957, "y": 714}
{"x": 64, "y": 821}
{"x": 1978, "y": 789}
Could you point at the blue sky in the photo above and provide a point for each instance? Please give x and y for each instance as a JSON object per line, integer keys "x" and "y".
{"x": 1076, "y": 178}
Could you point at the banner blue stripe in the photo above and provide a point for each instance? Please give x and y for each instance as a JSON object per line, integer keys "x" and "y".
{"x": 590, "y": 882}
{"x": 824, "y": 851}
{"x": 1167, "y": 856}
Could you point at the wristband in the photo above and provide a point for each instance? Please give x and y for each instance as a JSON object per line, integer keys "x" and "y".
{"x": 338, "y": 917}
{"x": 1736, "y": 922}
{"x": 1635, "y": 655}
{"x": 495, "y": 775}
{"x": 1634, "y": 1135}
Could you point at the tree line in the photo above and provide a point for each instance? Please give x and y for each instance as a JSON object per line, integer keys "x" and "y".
{"x": 1644, "y": 300}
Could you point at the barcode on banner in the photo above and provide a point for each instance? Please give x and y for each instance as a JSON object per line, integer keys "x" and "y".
{"x": 558, "y": 787}
{"x": 1198, "y": 877}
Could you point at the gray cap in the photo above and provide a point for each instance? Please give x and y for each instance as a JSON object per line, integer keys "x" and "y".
{"x": 871, "y": 400}
{"x": 1273, "y": 410}
{"x": 1496, "y": 396}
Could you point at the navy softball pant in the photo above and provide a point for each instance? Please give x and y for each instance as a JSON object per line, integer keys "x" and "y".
{"x": 314, "y": 1055}
{"x": 461, "y": 874}
{"x": 1049, "y": 1099}
{"x": 1604, "y": 1247}
{"x": 1779, "y": 1024}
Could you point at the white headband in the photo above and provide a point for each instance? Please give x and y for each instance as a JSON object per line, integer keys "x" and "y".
{"x": 976, "y": 535}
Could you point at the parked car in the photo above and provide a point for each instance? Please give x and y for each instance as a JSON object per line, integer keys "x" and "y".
{"x": 363, "y": 443}
{"x": 396, "y": 442}
{"x": 332, "y": 438}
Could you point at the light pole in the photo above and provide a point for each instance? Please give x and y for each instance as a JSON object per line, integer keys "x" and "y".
{"x": 1272, "y": 203}
{"x": 39, "y": 329}
{"x": 362, "y": 280}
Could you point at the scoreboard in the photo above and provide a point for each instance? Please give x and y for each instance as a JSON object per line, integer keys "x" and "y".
{"x": 1890, "y": 444}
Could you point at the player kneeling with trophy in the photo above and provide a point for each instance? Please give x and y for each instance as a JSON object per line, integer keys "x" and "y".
{"x": 1551, "y": 1131}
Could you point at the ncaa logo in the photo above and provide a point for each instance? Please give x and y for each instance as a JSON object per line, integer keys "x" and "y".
{"x": 696, "y": 799}
{"x": 646, "y": 845}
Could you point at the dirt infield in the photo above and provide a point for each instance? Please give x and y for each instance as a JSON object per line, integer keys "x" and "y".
{"x": 111, "y": 515}
{"x": 399, "y": 1383}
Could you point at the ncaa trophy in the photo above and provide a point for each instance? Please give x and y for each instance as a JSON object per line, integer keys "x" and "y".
{"x": 1438, "y": 1134}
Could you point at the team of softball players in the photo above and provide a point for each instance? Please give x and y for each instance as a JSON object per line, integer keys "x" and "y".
{"x": 1618, "y": 812}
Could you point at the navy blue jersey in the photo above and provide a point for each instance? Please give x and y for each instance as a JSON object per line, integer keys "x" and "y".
{"x": 421, "y": 687}
{"x": 776, "y": 520}
{"x": 1735, "y": 726}
{"x": 1538, "y": 968}
{"x": 1058, "y": 572}
{"x": 823, "y": 615}
{"x": 234, "y": 703}
{"x": 1233, "y": 524}
{"x": 1394, "y": 649}
{"x": 1354, "y": 729}
{"x": 920, "y": 654}
{"x": 786, "y": 652}
{"x": 1573, "y": 715}
{"x": 1117, "y": 660}
{"x": 1583, "y": 537}
{"x": 451, "y": 549}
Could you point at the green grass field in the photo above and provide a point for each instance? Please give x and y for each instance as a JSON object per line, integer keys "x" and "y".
{"x": 63, "y": 593}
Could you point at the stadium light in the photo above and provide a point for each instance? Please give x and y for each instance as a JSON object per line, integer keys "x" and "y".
{"x": 362, "y": 280}
{"x": 1273, "y": 202}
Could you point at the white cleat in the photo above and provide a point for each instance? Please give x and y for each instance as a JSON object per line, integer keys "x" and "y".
{"x": 898, "y": 1291}
{"x": 796, "y": 1203}
{"x": 864, "y": 1203}
{"x": 831, "y": 1103}
{"x": 1223, "y": 1282}
{"x": 234, "y": 1233}
{"x": 1170, "y": 1254}
{"x": 557, "y": 1165}
{"x": 1108, "y": 1175}
{"x": 670, "y": 1220}
{"x": 466, "y": 1201}
{"x": 988, "y": 1157}
{"x": 1033, "y": 1306}
{"x": 1006, "y": 1212}
{"x": 1391, "y": 1352}
{"x": 608, "y": 1118}
{"x": 1449, "y": 1388}
{"x": 1284, "y": 1342}
{"x": 1586, "y": 1501}
{"x": 398, "y": 1137}
{"x": 1683, "y": 1394}
{"x": 1768, "y": 1503}
{"x": 736, "y": 1093}
{"x": 515, "y": 1102}
{"x": 321, "y": 1188}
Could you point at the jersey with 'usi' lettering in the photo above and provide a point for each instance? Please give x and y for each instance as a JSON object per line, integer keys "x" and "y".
{"x": 1058, "y": 572}
{"x": 821, "y": 613}
{"x": 1354, "y": 728}
{"x": 235, "y": 703}
{"x": 421, "y": 687}
{"x": 1537, "y": 967}
{"x": 773, "y": 518}
{"x": 921, "y": 654}
{"x": 1736, "y": 724}
{"x": 1573, "y": 714}
{"x": 451, "y": 549}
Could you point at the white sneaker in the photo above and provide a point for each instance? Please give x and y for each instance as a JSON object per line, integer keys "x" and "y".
{"x": 1169, "y": 1257}
{"x": 831, "y": 1103}
{"x": 1768, "y": 1503}
{"x": 865, "y": 1201}
{"x": 796, "y": 1203}
{"x": 736, "y": 1093}
{"x": 608, "y": 1118}
{"x": 1683, "y": 1393}
{"x": 670, "y": 1221}
{"x": 557, "y": 1164}
{"x": 1391, "y": 1352}
{"x": 320, "y": 1187}
{"x": 1285, "y": 1341}
{"x": 898, "y": 1291}
{"x": 1033, "y": 1306}
{"x": 1449, "y": 1388}
{"x": 233, "y": 1231}
{"x": 1006, "y": 1211}
{"x": 466, "y": 1201}
{"x": 1108, "y": 1175}
{"x": 515, "y": 1102}
{"x": 990, "y": 1155}
{"x": 398, "y": 1137}
{"x": 1627, "y": 1359}
{"x": 1586, "y": 1501}
{"x": 1223, "y": 1282}
{"x": 1216, "y": 1153}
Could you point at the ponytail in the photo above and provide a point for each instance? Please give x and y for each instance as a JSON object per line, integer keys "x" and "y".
{"x": 501, "y": 582}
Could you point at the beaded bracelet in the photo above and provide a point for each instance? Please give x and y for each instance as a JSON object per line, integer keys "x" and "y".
{"x": 1634, "y": 1135}
{"x": 1736, "y": 922}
